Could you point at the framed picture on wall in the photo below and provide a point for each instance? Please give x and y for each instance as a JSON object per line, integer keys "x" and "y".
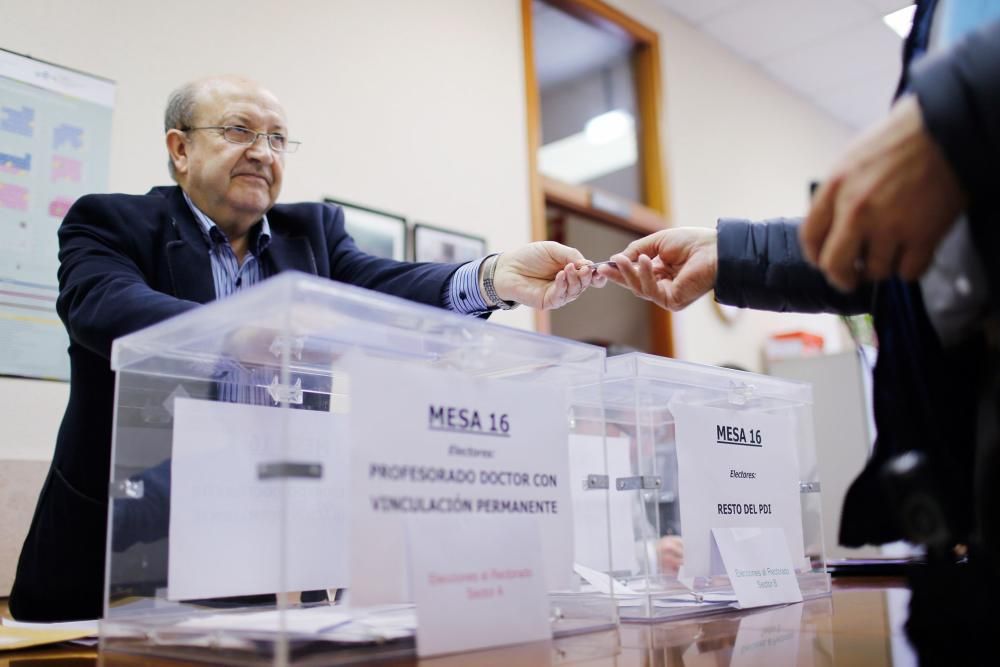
{"x": 433, "y": 244}
{"x": 376, "y": 232}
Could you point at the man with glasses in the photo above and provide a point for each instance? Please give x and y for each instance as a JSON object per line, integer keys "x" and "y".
{"x": 127, "y": 262}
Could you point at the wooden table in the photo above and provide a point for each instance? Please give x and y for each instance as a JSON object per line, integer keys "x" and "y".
{"x": 859, "y": 625}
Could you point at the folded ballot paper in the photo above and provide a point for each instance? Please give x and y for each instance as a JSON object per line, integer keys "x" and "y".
{"x": 338, "y": 625}
{"x": 332, "y": 624}
{"x": 18, "y": 635}
{"x": 631, "y": 596}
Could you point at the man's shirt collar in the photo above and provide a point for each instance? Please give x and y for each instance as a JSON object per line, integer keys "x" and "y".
{"x": 214, "y": 235}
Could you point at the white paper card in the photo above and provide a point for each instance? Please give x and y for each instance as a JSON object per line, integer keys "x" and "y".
{"x": 477, "y": 582}
{"x": 590, "y": 506}
{"x": 437, "y": 442}
{"x": 601, "y": 582}
{"x": 225, "y": 523}
{"x": 335, "y": 624}
{"x": 312, "y": 620}
{"x": 759, "y": 567}
{"x": 735, "y": 468}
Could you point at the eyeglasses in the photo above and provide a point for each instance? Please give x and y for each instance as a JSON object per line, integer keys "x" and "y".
{"x": 235, "y": 134}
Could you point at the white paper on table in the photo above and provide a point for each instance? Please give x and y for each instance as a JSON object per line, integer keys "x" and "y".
{"x": 685, "y": 604}
{"x": 590, "y": 517}
{"x": 695, "y": 600}
{"x": 311, "y": 620}
{"x": 335, "y": 624}
{"x": 477, "y": 582}
{"x": 89, "y": 627}
{"x": 758, "y": 564}
{"x": 383, "y": 623}
{"x": 602, "y": 582}
{"x": 706, "y": 465}
{"x": 391, "y": 426}
{"x": 225, "y": 523}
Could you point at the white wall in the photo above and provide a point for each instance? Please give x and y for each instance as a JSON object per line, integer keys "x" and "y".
{"x": 418, "y": 108}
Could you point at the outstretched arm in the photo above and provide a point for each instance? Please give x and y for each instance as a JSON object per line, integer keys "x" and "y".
{"x": 544, "y": 274}
{"x": 748, "y": 265}
{"x": 672, "y": 268}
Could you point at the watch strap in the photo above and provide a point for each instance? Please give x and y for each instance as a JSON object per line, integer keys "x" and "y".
{"x": 493, "y": 299}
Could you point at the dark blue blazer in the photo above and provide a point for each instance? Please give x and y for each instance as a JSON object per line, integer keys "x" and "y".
{"x": 924, "y": 394}
{"x": 127, "y": 262}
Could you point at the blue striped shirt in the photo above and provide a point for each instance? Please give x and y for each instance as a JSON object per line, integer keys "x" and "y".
{"x": 229, "y": 275}
{"x": 237, "y": 384}
{"x": 462, "y": 293}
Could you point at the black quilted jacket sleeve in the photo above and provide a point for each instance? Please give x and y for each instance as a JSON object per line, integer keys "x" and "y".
{"x": 762, "y": 267}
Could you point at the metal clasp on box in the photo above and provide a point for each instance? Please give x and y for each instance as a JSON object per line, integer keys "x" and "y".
{"x": 644, "y": 482}
{"x": 289, "y": 470}
{"x": 741, "y": 393}
{"x": 295, "y": 346}
{"x": 133, "y": 489}
{"x": 809, "y": 487}
{"x": 595, "y": 482}
{"x": 283, "y": 393}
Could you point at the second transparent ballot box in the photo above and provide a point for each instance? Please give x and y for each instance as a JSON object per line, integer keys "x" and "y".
{"x": 279, "y": 456}
{"x": 691, "y": 450}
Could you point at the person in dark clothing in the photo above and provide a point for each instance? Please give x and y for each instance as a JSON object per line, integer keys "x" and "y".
{"x": 953, "y": 143}
{"x": 904, "y": 229}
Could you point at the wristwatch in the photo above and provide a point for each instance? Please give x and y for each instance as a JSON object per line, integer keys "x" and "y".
{"x": 489, "y": 290}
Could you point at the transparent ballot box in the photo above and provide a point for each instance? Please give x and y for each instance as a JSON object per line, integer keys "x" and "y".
{"x": 694, "y": 453}
{"x": 286, "y": 461}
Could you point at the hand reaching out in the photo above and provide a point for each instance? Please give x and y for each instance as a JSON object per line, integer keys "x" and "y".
{"x": 671, "y": 268}
{"x": 544, "y": 274}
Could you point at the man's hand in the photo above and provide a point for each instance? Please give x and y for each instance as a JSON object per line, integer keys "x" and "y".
{"x": 544, "y": 275}
{"x": 886, "y": 206}
{"x": 671, "y": 268}
{"x": 670, "y": 554}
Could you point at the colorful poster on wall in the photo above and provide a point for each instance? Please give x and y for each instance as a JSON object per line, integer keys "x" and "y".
{"x": 55, "y": 138}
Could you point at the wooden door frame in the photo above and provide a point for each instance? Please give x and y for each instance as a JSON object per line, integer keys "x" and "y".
{"x": 653, "y": 213}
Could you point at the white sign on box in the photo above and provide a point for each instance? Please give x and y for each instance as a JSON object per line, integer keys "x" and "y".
{"x": 736, "y": 468}
{"x": 758, "y": 565}
{"x": 436, "y": 442}
{"x": 477, "y": 582}
{"x": 225, "y": 523}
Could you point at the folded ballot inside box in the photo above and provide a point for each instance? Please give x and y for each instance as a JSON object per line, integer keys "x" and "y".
{"x": 274, "y": 448}
{"x": 693, "y": 454}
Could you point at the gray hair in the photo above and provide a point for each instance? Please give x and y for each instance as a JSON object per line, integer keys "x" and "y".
{"x": 179, "y": 115}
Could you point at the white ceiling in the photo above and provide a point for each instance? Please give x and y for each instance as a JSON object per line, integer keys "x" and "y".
{"x": 838, "y": 54}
